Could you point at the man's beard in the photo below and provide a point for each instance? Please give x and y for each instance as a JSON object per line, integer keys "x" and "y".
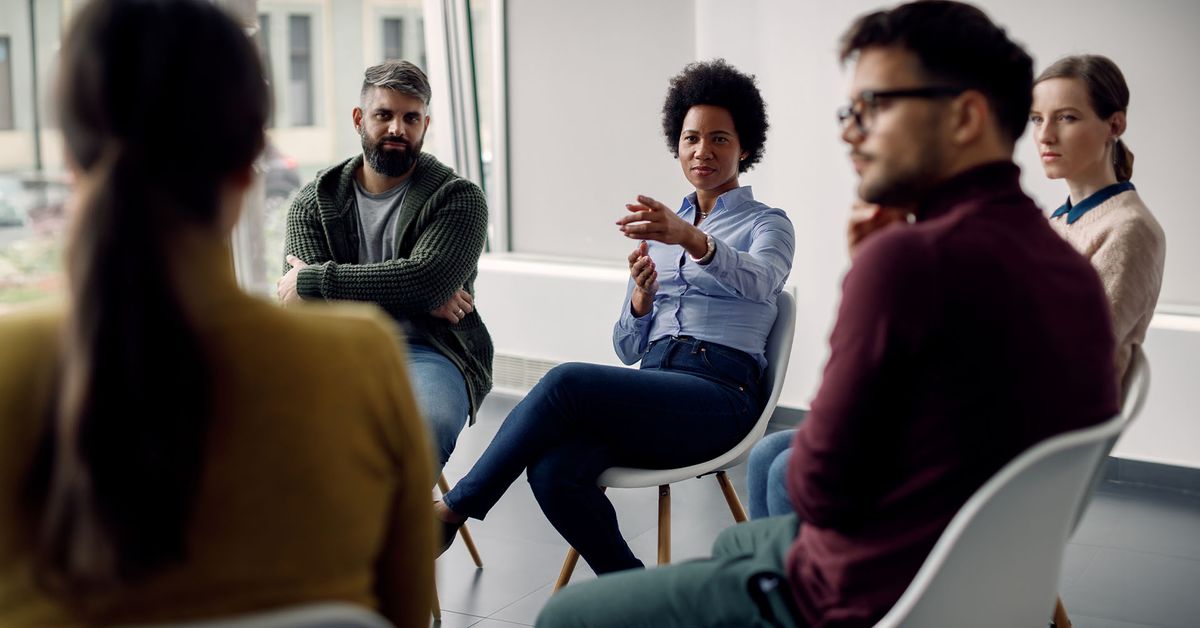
{"x": 909, "y": 185}
{"x": 387, "y": 161}
{"x": 901, "y": 188}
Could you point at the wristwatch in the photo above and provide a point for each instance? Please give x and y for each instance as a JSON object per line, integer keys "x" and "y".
{"x": 709, "y": 253}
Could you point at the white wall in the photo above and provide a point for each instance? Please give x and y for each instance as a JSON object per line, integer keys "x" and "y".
{"x": 1168, "y": 430}
{"x": 585, "y": 86}
{"x": 562, "y": 312}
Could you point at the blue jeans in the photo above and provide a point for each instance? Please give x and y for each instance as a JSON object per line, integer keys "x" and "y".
{"x": 691, "y": 401}
{"x": 766, "y": 475}
{"x": 441, "y": 394}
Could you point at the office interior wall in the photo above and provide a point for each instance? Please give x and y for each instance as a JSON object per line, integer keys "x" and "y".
{"x": 586, "y": 82}
{"x": 560, "y": 314}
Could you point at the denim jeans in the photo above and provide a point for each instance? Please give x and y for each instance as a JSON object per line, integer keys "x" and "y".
{"x": 441, "y": 394}
{"x": 766, "y": 475}
{"x": 691, "y": 401}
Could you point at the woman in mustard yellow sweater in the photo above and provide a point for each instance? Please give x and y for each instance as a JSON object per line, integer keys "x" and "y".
{"x": 171, "y": 448}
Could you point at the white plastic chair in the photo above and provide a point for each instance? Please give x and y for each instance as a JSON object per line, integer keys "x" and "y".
{"x": 998, "y": 562}
{"x": 1134, "y": 390}
{"x": 315, "y": 615}
{"x": 778, "y": 351}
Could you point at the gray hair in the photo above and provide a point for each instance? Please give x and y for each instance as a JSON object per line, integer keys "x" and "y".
{"x": 401, "y": 76}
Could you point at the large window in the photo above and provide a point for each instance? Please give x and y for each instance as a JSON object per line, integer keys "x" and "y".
{"x": 300, "y": 70}
{"x": 262, "y": 40}
{"x": 486, "y": 73}
{"x": 393, "y": 38}
{"x": 322, "y": 49}
{"x": 402, "y": 32}
{"x": 6, "y": 85}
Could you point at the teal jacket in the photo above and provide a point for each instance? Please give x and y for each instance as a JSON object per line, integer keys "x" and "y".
{"x": 440, "y": 235}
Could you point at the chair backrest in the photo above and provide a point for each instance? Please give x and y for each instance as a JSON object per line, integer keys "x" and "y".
{"x": 778, "y": 352}
{"x": 1134, "y": 389}
{"x": 998, "y": 562}
{"x": 1136, "y": 385}
{"x": 315, "y": 615}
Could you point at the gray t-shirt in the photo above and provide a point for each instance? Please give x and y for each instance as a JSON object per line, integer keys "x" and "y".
{"x": 377, "y": 217}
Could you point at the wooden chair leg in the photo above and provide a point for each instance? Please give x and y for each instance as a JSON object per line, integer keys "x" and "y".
{"x": 568, "y": 568}
{"x": 437, "y": 605}
{"x": 664, "y": 524}
{"x": 470, "y": 543}
{"x": 444, "y": 487}
{"x": 1060, "y": 615}
{"x": 731, "y": 497}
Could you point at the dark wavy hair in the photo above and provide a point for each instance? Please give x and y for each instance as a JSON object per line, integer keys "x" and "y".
{"x": 719, "y": 84}
{"x": 161, "y": 102}
{"x": 959, "y": 46}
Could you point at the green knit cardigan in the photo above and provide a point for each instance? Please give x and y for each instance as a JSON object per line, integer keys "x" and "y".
{"x": 440, "y": 233}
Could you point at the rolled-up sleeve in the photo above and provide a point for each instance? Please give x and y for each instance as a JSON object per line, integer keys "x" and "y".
{"x": 759, "y": 273}
{"x": 631, "y": 333}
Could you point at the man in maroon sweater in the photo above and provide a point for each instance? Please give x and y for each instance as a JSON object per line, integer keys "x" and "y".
{"x": 968, "y": 331}
{"x": 962, "y": 339}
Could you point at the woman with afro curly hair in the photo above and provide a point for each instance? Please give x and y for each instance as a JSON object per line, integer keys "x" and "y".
{"x": 700, "y": 301}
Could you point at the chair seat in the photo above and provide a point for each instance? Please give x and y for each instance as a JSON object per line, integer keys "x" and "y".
{"x": 778, "y": 352}
{"x": 629, "y": 477}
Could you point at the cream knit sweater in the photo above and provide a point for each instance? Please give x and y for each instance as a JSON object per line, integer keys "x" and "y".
{"x": 1127, "y": 246}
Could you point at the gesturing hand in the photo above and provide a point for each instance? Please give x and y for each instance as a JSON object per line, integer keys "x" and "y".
{"x": 645, "y": 280}
{"x": 285, "y": 288}
{"x": 456, "y": 307}
{"x": 649, "y": 219}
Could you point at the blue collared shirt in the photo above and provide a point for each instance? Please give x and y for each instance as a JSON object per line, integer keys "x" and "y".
{"x": 1073, "y": 212}
{"x": 730, "y": 300}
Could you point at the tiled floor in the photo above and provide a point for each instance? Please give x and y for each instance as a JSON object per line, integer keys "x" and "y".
{"x": 1133, "y": 562}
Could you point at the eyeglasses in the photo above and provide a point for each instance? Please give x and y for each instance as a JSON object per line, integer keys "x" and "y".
{"x": 863, "y": 109}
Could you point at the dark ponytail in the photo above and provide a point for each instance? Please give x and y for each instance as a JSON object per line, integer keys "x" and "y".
{"x": 134, "y": 394}
{"x": 161, "y": 103}
{"x": 1107, "y": 92}
{"x": 1122, "y": 161}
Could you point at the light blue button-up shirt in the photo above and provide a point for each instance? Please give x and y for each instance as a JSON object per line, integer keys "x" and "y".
{"x": 730, "y": 300}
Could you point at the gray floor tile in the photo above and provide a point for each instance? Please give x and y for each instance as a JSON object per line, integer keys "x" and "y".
{"x": 526, "y": 609}
{"x": 1076, "y": 559}
{"x": 513, "y": 569}
{"x": 496, "y": 623}
{"x": 1083, "y": 621}
{"x": 451, "y": 619}
{"x": 1137, "y": 587}
{"x": 1142, "y": 521}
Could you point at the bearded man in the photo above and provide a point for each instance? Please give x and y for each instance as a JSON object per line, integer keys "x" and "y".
{"x": 396, "y": 227}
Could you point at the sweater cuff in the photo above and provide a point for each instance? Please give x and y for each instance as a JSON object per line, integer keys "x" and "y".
{"x": 308, "y": 282}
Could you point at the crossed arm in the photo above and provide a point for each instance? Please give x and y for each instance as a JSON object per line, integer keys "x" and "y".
{"x": 429, "y": 280}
